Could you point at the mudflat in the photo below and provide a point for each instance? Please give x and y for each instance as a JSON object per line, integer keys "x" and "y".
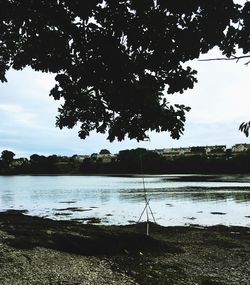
{"x": 35, "y": 250}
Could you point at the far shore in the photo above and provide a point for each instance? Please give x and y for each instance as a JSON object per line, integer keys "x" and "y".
{"x": 180, "y": 174}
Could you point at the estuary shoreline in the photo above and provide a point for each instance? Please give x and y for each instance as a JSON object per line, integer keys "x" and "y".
{"x": 42, "y": 251}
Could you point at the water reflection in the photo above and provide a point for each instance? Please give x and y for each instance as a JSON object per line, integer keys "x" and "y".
{"x": 208, "y": 178}
{"x": 7, "y": 198}
{"x": 208, "y": 194}
{"x": 175, "y": 200}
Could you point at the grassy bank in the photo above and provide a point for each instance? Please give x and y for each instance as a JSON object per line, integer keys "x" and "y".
{"x": 41, "y": 251}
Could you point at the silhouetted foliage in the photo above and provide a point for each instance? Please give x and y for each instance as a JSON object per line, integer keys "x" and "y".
{"x": 40, "y": 164}
{"x": 104, "y": 151}
{"x": 7, "y": 156}
{"x": 140, "y": 161}
{"x": 115, "y": 58}
{"x": 130, "y": 161}
{"x": 199, "y": 150}
{"x": 244, "y": 127}
{"x": 134, "y": 161}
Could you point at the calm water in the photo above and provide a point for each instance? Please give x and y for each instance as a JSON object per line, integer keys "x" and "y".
{"x": 174, "y": 199}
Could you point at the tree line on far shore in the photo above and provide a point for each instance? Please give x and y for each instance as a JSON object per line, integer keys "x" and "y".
{"x": 135, "y": 161}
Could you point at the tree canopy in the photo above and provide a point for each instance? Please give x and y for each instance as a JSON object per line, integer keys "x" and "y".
{"x": 114, "y": 59}
{"x": 7, "y": 156}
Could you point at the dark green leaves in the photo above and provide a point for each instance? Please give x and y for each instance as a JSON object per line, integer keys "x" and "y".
{"x": 244, "y": 127}
{"x": 114, "y": 59}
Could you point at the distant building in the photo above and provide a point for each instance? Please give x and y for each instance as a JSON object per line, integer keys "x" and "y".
{"x": 238, "y": 149}
{"x": 159, "y": 151}
{"x": 171, "y": 152}
{"x": 19, "y": 161}
{"x": 185, "y": 151}
{"x": 106, "y": 158}
{"x": 207, "y": 151}
{"x": 216, "y": 151}
{"x": 81, "y": 158}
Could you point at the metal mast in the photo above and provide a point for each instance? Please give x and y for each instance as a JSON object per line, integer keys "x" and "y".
{"x": 147, "y": 207}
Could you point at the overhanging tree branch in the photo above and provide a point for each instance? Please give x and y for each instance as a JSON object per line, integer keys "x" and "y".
{"x": 244, "y": 127}
{"x": 236, "y": 58}
{"x": 132, "y": 52}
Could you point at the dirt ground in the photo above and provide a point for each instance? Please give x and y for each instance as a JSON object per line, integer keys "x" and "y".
{"x": 41, "y": 251}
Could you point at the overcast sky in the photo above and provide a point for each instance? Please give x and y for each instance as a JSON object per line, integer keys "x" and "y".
{"x": 220, "y": 101}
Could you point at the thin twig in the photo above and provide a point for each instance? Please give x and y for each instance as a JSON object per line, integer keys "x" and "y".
{"x": 247, "y": 62}
{"x": 237, "y": 58}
